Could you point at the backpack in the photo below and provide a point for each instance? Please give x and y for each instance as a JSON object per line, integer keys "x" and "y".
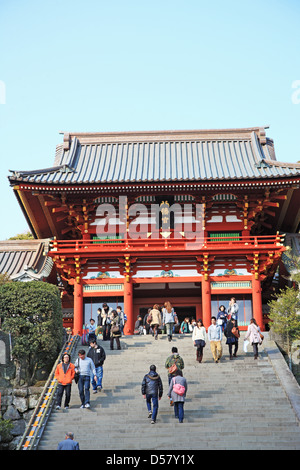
{"x": 178, "y": 388}
{"x": 85, "y": 339}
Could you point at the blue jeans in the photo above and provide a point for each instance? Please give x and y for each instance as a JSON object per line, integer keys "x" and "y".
{"x": 84, "y": 388}
{"x": 169, "y": 329}
{"x": 178, "y": 410}
{"x": 99, "y": 373}
{"x": 155, "y": 405}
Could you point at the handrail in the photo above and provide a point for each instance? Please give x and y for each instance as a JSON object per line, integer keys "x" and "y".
{"x": 42, "y": 411}
{"x": 149, "y": 244}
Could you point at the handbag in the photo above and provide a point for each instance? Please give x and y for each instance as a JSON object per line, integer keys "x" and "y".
{"x": 235, "y": 332}
{"x": 178, "y": 388}
{"x": 115, "y": 329}
{"x": 245, "y": 346}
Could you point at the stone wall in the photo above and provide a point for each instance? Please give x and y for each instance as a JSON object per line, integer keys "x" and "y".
{"x": 17, "y": 404}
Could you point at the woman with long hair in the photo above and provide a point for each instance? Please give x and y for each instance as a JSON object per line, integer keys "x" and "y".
{"x": 168, "y": 318}
{"x": 199, "y": 339}
{"x": 155, "y": 320}
{"x": 254, "y": 335}
{"x": 232, "y": 334}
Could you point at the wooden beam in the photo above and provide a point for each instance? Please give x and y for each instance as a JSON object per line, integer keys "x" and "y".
{"x": 47, "y": 213}
{"x": 55, "y": 210}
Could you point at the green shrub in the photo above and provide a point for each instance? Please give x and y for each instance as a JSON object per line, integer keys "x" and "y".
{"x": 5, "y": 427}
{"x": 31, "y": 312}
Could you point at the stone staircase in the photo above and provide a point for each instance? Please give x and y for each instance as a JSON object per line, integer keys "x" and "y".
{"x": 235, "y": 404}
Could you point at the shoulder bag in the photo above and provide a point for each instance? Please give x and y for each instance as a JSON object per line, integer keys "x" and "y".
{"x": 178, "y": 388}
{"x": 235, "y": 332}
{"x": 173, "y": 368}
{"x": 77, "y": 374}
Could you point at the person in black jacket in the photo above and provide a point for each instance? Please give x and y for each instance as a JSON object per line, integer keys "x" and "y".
{"x": 98, "y": 356}
{"x": 232, "y": 339}
{"x": 152, "y": 389}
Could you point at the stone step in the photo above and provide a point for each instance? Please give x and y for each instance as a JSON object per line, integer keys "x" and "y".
{"x": 243, "y": 398}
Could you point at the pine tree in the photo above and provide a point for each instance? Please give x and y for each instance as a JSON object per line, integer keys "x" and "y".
{"x": 285, "y": 309}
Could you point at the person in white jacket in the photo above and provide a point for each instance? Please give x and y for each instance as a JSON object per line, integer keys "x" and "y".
{"x": 254, "y": 335}
{"x": 199, "y": 339}
{"x": 233, "y": 310}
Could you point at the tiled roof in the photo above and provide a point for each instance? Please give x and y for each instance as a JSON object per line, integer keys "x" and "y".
{"x": 25, "y": 259}
{"x": 162, "y": 156}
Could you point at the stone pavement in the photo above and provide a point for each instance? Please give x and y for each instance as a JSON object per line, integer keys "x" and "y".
{"x": 236, "y": 404}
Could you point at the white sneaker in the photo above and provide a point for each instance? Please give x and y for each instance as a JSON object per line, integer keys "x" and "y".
{"x": 87, "y": 405}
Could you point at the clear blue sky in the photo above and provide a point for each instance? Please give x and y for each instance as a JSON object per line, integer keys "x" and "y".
{"x": 122, "y": 65}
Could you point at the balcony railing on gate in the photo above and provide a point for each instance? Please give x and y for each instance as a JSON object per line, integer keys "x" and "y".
{"x": 117, "y": 244}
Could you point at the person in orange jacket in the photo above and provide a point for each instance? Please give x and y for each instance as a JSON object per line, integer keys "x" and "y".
{"x": 64, "y": 373}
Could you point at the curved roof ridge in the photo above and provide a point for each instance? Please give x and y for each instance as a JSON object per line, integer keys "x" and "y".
{"x": 283, "y": 164}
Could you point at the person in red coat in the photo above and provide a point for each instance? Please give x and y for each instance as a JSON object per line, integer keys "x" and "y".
{"x": 64, "y": 373}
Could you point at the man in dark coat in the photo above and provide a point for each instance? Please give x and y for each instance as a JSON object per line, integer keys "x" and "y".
{"x": 98, "y": 356}
{"x": 152, "y": 389}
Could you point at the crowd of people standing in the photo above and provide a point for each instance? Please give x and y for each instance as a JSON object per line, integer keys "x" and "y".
{"x": 111, "y": 323}
{"x": 225, "y": 323}
{"x": 164, "y": 318}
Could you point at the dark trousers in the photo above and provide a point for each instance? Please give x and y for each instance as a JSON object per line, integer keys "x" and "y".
{"x": 106, "y": 332}
{"x": 178, "y": 410}
{"x": 236, "y": 345}
{"x": 117, "y": 341}
{"x": 255, "y": 349}
{"x": 154, "y": 399}
{"x": 200, "y": 343}
{"x": 60, "y": 390}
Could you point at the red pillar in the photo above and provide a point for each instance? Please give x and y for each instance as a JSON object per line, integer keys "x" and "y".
{"x": 128, "y": 307}
{"x": 78, "y": 308}
{"x": 206, "y": 302}
{"x": 257, "y": 301}
{"x": 198, "y": 311}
